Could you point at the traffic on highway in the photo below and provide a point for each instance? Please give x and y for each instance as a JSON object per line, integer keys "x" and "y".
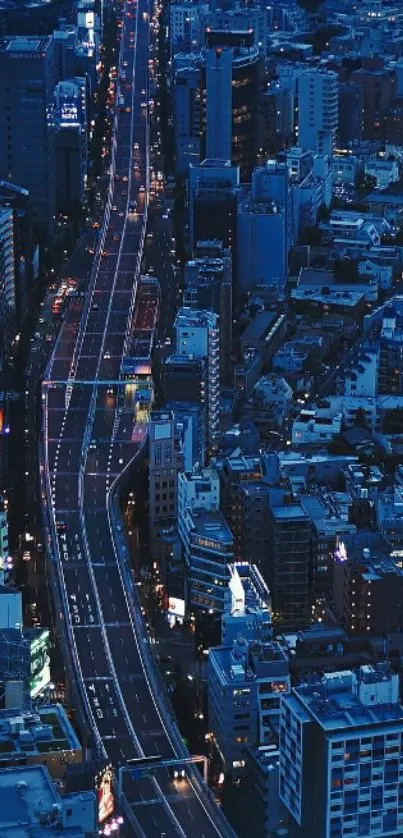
{"x": 89, "y": 441}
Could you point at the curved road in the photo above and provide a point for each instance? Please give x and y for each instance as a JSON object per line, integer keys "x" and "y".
{"x": 89, "y": 438}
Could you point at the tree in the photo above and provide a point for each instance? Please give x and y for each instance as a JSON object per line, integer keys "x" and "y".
{"x": 365, "y": 184}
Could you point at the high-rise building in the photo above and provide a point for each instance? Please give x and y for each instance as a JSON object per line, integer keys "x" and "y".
{"x": 237, "y": 474}
{"x": 208, "y": 285}
{"x": 341, "y": 755}
{"x": 379, "y": 86}
{"x": 71, "y": 143}
{"x": 187, "y": 97}
{"x": 213, "y": 198}
{"x": 245, "y": 682}
{"x": 190, "y": 428}
{"x": 27, "y": 80}
{"x": 211, "y": 550}
{"x": 4, "y": 548}
{"x": 164, "y": 461}
{"x": 390, "y": 369}
{"x": 288, "y": 572}
{"x": 198, "y": 490}
{"x": 317, "y": 110}
{"x": 26, "y": 256}
{"x": 265, "y": 222}
{"x": 197, "y": 334}
{"x": 185, "y": 381}
{"x": 350, "y": 118}
{"x": 7, "y": 278}
{"x": 232, "y": 97}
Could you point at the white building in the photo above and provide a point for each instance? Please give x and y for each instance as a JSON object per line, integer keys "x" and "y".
{"x": 197, "y": 334}
{"x": 313, "y": 428}
{"x": 384, "y": 171}
{"x": 247, "y": 610}
{"x": 318, "y": 107}
{"x": 361, "y": 375}
{"x": 341, "y": 756}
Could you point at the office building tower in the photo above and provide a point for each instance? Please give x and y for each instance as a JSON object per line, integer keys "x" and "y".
{"x": 187, "y": 99}
{"x": 341, "y": 756}
{"x": 7, "y": 279}
{"x": 349, "y": 129}
{"x": 26, "y": 252}
{"x": 232, "y": 73}
{"x": 4, "y": 548}
{"x": 237, "y": 474}
{"x": 276, "y": 117}
{"x": 379, "y": 87}
{"x": 27, "y": 80}
{"x": 247, "y": 611}
{"x": 265, "y": 222}
{"x": 213, "y": 197}
{"x": 197, "y": 334}
{"x": 245, "y": 682}
{"x": 185, "y": 380}
{"x": 211, "y": 550}
{"x": 197, "y": 490}
{"x": 208, "y": 285}
{"x": 163, "y": 465}
{"x": 71, "y": 143}
{"x": 186, "y": 27}
{"x": 390, "y": 365}
{"x": 317, "y": 110}
{"x": 288, "y": 571}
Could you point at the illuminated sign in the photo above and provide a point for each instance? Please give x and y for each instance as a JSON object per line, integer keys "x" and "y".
{"x": 106, "y": 800}
{"x": 176, "y": 606}
{"x": 69, "y": 112}
{"x": 340, "y": 552}
{"x": 40, "y": 664}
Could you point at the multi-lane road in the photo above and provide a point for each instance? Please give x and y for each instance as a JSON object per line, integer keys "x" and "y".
{"x": 89, "y": 440}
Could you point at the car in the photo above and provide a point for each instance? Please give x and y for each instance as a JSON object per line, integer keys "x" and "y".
{"x": 142, "y": 189}
{"x": 136, "y": 146}
{"x": 132, "y": 207}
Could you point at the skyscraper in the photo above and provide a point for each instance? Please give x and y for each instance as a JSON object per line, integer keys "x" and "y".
{"x": 197, "y": 334}
{"x": 317, "y": 110}
{"x": 232, "y": 97}
{"x": 213, "y": 199}
{"x": 7, "y": 278}
{"x": 162, "y": 471}
{"x": 71, "y": 142}
{"x": 208, "y": 285}
{"x": 27, "y": 80}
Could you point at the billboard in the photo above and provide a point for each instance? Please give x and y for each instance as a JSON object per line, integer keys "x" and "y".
{"x": 106, "y": 800}
{"x": 176, "y": 606}
{"x": 40, "y": 663}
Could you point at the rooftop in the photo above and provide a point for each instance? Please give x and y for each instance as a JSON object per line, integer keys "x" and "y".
{"x": 289, "y": 512}
{"x": 213, "y": 526}
{"x": 30, "y": 806}
{"x": 28, "y": 734}
{"x": 27, "y": 44}
{"x": 342, "y": 700}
